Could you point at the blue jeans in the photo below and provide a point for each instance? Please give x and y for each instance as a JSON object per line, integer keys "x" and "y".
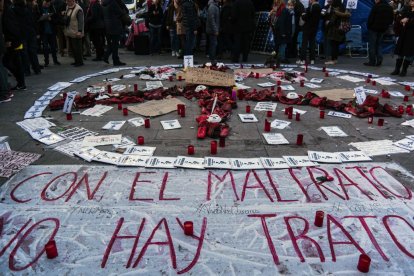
{"x": 175, "y": 45}
{"x": 155, "y": 37}
{"x": 189, "y": 43}
{"x": 49, "y": 46}
{"x": 375, "y": 47}
{"x": 212, "y": 46}
{"x": 281, "y": 51}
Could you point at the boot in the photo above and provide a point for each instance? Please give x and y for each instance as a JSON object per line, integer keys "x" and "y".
{"x": 398, "y": 63}
{"x": 404, "y": 68}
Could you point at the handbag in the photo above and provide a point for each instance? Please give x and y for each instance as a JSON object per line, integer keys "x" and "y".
{"x": 126, "y": 19}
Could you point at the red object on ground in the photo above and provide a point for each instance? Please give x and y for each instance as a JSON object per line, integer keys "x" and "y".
{"x": 322, "y": 114}
{"x": 363, "y": 263}
{"x": 69, "y": 116}
{"x": 125, "y": 111}
{"x": 370, "y": 119}
{"x": 182, "y": 111}
{"x": 326, "y": 74}
{"x": 147, "y": 123}
{"x": 190, "y": 150}
{"x": 51, "y": 249}
{"x": 380, "y": 122}
{"x": 140, "y": 140}
{"x": 135, "y": 87}
{"x": 407, "y": 88}
{"x": 405, "y": 98}
{"x": 222, "y": 142}
{"x": 297, "y": 116}
{"x": 299, "y": 140}
{"x": 269, "y": 113}
{"x": 247, "y": 108}
{"x": 119, "y": 106}
{"x": 267, "y": 126}
{"x": 319, "y": 218}
{"x": 109, "y": 87}
{"x": 324, "y": 69}
{"x": 170, "y": 78}
{"x": 213, "y": 147}
{"x": 188, "y": 228}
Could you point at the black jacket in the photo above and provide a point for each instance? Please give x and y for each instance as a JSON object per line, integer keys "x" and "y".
{"x": 25, "y": 20}
{"x": 113, "y": 11}
{"x": 282, "y": 27}
{"x": 225, "y": 20}
{"x": 94, "y": 17}
{"x": 405, "y": 42}
{"x": 191, "y": 22}
{"x": 11, "y": 28}
{"x": 155, "y": 15}
{"x": 311, "y": 18}
{"x": 243, "y": 15}
{"x": 380, "y": 17}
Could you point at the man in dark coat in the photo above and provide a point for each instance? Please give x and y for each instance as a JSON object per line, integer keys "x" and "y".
{"x": 292, "y": 50}
{"x": 242, "y": 16}
{"x": 5, "y": 96}
{"x": 190, "y": 22}
{"x": 379, "y": 19}
{"x": 310, "y": 28}
{"x": 212, "y": 27}
{"x": 113, "y": 10}
{"x": 96, "y": 27}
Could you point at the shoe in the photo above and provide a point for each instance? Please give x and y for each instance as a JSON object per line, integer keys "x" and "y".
{"x": 73, "y": 63}
{"x": 56, "y": 62}
{"x": 330, "y": 62}
{"x": 5, "y": 99}
{"x": 46, "y": 64}
{"x": 368, "y": 64}
{"x": 38, "y": 72}
{"x": 173, "y": 54}
{"x": 19, "y": 87}
{"x": 97, "y": 59}
{"x": 302, "y": 62}
{"x": 105, "y": 60}
{"x": 312, "y": 62}
{"x": 78, "y": 64}
{"x": 397, "y": 69}
{"x": 379, "y": 63}
{"x": 119, "y": 63}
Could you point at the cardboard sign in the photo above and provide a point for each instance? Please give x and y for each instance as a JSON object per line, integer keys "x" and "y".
{"x": 156, "y": 108}
{"x": 254, "y": 70}
{"x": 67, "y": 107}
{"x": 209, "y": 77}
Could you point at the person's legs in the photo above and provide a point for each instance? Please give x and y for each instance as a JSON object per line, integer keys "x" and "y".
{"x": 372, "y": 42}
{"x": 76, "y": 44}
{"x": 152, "y": 39}
{"x": 245, "y": 44}
{"x": 189, "y": 43}
{"x": 115, "y": 46}
{"x": 45, "y": 42}
{"x": 158, "y": 39}
{"x": 4, "y": 86}
{"x": 236, "y": 47}
{"x": 53, "y": 48}
{"x": 378, "y": 46}
{"x": 312, "y": 46}
{"x": 213, "y": 47}
{"x": 25, "y": 59}
{"x": 109, "y": 47}
{"x": 282, "y": 52}
{"x": 304, "y": 46}
{"x": 32, "y": 51}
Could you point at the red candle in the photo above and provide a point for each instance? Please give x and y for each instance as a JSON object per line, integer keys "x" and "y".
{"x": 247, "y": 108}
{"x": 326, "y": 74}
{"x": 405, "y": 98}
{"x": 188, "y": 228}
{"x": 363, "y": 263}
{"x": 180, "y": 78}
{"x": 240, "y": 94}
{"x": 279, "y": 89}
{"x": 69, "y": 116}
{"x": 257, "y": 75}
{"x": 322, "y": 114}
{"x": 279, "y": 82}
{"x": 147, "y": 123}
{"x": 324, "y": 69}
{"x": 269, "y": 113}
{"x": 222, "y": 142}
{"x": 213, "y": 147}
{"x": 299, "y": 140}
{"x": 170, "y": 78}
{"x": 190, "y": 150}
{"x": 125, "y": 111}
{"x": 182, "y": 111}
{"x": 179, "y": 109}
{"x": 290, "y": 114}
{"x": 272, "y": 88}
{"x": 302, "y": 83}
{"x": 370, "y": 119}
{"x": 374, "y": 83}
{"x": 51, "y": 249}
{"x": 119, "y": 106}
{"x": 135, "y": 87}
{"x": 368, "y": 80}
{"x": 109, "y": 87}
{"x": 267, "y": 126}
{"x": 380, "y": 122}
{"x": 319, "y": 218}
{"x": 409, "y": 109}
{"x": 64, "y": 95}
{"x": 401, "y": 109}
{"x": 297, "y": 116}
{"x": 140, "y": 140}
{"x": 286, "y": 110}
{"x": 407, "y": 88}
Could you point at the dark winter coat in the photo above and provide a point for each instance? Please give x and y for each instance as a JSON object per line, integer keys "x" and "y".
{"x": 155, "y": 15}
{"x": 94, "y": 17}
{"x": 112, "y": 12}
{"x": 282, "y": 27}
{"x": 243, "y": 15}
{"x": 213, "y": 17}
{"x": 312, "y": 18}
{"x": 298, "y": 9}
{"x": 169, "y": 18}
{"x": 334, "y": 20}
{"x": 52, "y": 23}
{"x": 11, "y": 29}
{"x": 225, "y": 20}
{"x": 405, "y": 43}
{"x": 190, "y": 19}
{"x": 380, "y": 17}
{"x": 25, "y": 20}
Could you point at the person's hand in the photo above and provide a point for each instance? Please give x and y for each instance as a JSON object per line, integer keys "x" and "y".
{"x": 78, "y": 34}
{"x": 404, "y": 21}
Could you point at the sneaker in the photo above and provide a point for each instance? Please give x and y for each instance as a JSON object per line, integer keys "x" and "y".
{"x": 19, "y": 87}
{"x": 173, "y": 54}
{"x": 302, "y": 62}
{"x": 5, "y": 99}
{"x": 330, "y": 62}
{"x": 312, "y": 62}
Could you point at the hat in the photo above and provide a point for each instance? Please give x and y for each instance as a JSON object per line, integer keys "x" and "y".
{"x": 292, "y": 96}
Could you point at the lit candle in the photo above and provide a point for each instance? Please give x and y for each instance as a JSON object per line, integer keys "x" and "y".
{"x": 279, "y": 82}
{"x": 190, "y": 150}
{"x": 188, "y": 228}
{"x": 407, "y": 88}
{"x": 51, "y": 249}
{"x": 213, "y": 147}
{"x": 247, "y": 108}
{"x": 267, "y": 126}
{"x": 182, "y": 111}
{"x": 269, "y": 113}
{"x": 140, "y": 140}
{"x": 363, "y": 263}
{"x": 147, "y": 123}
{"x": 319, "y": 218}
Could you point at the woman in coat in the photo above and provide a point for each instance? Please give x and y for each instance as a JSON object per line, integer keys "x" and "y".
{"x": 405, "y": 43}
{"x": 155, "y": 15}
{"x": 281, "y": 24}
{"x": 336, "y": 37}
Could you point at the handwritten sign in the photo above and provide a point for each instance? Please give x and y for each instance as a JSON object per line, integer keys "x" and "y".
{"x": 352, "y": 4}
{"x": 209, "y": 77}
{"x": 188, "y": 61}
{"x": 13, "y": 161}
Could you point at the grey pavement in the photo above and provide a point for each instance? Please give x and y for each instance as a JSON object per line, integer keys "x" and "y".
{"x": 245, "y": 140}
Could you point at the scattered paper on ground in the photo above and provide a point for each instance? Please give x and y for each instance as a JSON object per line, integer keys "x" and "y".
{"x": 13, "y": 161}
{"x": 92, "y": 141}
{"x": 378, "y": 147}
{"x": 275, "y": 139}
{"x": 334, "y": 131}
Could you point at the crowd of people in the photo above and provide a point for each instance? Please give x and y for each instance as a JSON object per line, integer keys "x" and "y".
{"x": 72, "y": 27}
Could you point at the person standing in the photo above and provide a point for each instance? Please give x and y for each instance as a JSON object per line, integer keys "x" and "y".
{"x": 180, "y": 27}
{"x": 379, "y": 19}
{"x": 405, "y": 43}
{"x": 242, "y": 15}
{"x": 292, "y": 49}
{"x": 155, "y": 16}
{"x": 191, "y": 22}
{"x": 212, "y": 28}
{"x": 74, "y": 30}
{"x": 171, "y": 25}
{"x": 47, "y": 22}
{"x": 281, "y": 25}
{"x": 334, "y": 34}
{"x": 96, "y": 27}
{"x": 5, "y": 95}
{"x": 311, "y": 18}
{"x": 225, "y": 40}
{"x": 113, "y": 10}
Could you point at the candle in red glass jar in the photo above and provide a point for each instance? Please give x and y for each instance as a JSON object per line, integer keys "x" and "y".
{"x": 188, "y": 228}
{"x": 319, "y": 218}
{"x": 125, "y": 111}
{"x": 213, "y": 147}
{"x": 190, "y": 150}
{"x": 380, "y": 122}
{"x": 363, "y": 263}
{"x": 267, "y": 126}
{"x": 370, "y": 119}
{"x": 119, "y": 106}
{"x": 302, "y": 83}
{"x": 299, "y": 140}
{"x": 140, "y": 140}
{"x": 247, "y": 108}
{"x": 297, "y": 116}
{"x": 326, "y": 74}
{"x": 135, "y": 87}
{"x": 405, "y": 98}
{"x": 269, "y": 113}
{"x": 109, "y": 88}
{"x": 407, "y": 88}
{"x": 374, "y": 83}
{"x": 147, "y": 123}
{"x": 322, "y": 114}
{"x": 290, "y": 114}
{"x": 182, "y": 111}
{"x": 69, "y": 116}
{"x": 279, "y": 82}
{"x": 51, "y": 249}
{"x": 257, "y": 75}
